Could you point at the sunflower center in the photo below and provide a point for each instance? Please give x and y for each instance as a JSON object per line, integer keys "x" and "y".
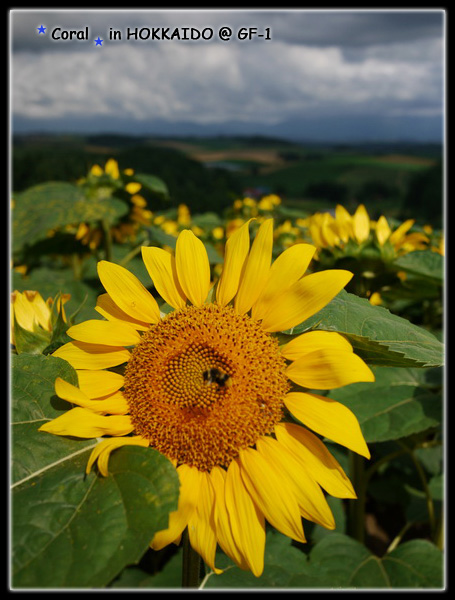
{"x": 204, "y": 383}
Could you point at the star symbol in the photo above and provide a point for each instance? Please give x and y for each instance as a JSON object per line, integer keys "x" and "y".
{"x": 98, "y": 41}
{"x": 41, "y": 29}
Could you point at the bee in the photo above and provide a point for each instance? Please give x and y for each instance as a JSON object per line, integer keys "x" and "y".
{"x": 216, "y": 376}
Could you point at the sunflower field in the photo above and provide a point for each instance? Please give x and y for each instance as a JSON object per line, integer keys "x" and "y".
{"x": 245, "y": 399}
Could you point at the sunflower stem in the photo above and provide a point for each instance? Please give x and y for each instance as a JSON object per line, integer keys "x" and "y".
{"x": 191, "y": 564}
{"x": 126, "y": 259}
{"x": 107, "y": 240}
{"x": 426, "y": 490}
{"x": 77, "y": 267}
{"x": 357, "y": 506}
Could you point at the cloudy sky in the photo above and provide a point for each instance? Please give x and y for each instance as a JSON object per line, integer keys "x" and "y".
{"x": 323, "y": 75}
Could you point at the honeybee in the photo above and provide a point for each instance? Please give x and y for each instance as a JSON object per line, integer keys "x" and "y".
{"x": 216, "y": 376}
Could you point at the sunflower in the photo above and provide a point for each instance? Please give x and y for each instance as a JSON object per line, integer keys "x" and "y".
{"x": 329, "y": 231}
{"x": 33, "y": 314}
{"x": 333, "y": 232}
{"x": 210, "y": 387}
{"x": 401, "y": 241}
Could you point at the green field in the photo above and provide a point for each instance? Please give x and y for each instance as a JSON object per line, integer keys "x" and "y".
{"x": 208, "y": 174}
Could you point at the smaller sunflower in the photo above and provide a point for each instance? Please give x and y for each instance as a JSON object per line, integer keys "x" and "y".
{"x": 32, "y": 313}
{"x": 401, "y": 241}
{"x": 343, "y": 231}
{"x": 211, "y": 388}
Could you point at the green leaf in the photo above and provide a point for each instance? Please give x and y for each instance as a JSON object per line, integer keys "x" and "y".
{"x": 50, "y": 206}
{"x": 207, "y": 220}
{"x": 348, "y": 564}
{"x": 152, "y": 183}
{"x": 75, "y": 531}
{"x": 161, "y": 237}
{"x": 338, "y": 510}
{"x": 284, "y": 567}
{"x": 378, "y": 336}
{"x": 423, "y": 263}
{"x": 31, "y": 342}
{"x": 338, "y": 562}
{"x": 169, "y": 577}
{"x": 392, "y": 407}
{"x": 59, "y": 329}
{"x": 33, "y": 403}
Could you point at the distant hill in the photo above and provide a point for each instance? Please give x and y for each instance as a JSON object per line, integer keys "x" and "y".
{"x": 350, "y": 128}
{"x": 40, "y": 158}
{"x": 208, "y": 173}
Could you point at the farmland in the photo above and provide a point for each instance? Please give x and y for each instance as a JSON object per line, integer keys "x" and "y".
{"x": 208, "y": 173}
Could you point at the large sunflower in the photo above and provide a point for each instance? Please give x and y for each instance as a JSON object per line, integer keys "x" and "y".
{"x": 209, "y": 386}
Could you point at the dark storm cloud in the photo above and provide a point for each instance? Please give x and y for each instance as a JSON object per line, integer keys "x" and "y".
{"x": 318, "y": 64}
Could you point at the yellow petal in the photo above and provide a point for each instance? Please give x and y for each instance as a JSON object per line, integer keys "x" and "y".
{"x": 224, "y": 531}
{"x": 312, "y": 503}
{"x": 315, "y": 232}
{"x": 23, "y": 312}
{"x": 375, "y": 299}
{"x": 138, "y": 201}
{"x": 344, "y": 223}
{"x": 42, "y": 311}
{"x": 128, "y": 292}
{"x": 193, "y": 268}
{"x": 114, "y": 404}
{"x": 399, "y": 233}
{"x": 328, "y": 418}
{"x": 329, "y": 368}
{"x": 304, "y": 299}
{"x": 271, "y": 494}
{"x": 191, "y": 481}
{"x": 83, "y": 423}
{"x": 315, "y": 458}
{"x": 95, "y": 331}
{"x": 314, "y": 340}
{"x": 92, "y": 356}
{"x": 383, "y": 230}
{"x": 110, "y": 311}
{"x": 95, "y": 384}
{"x": 201, "y": 524}
{"x": 97, "y": 171}
{"x": 361, "y": 224}
{"x": 102, "y": 451}
{"x": 69, "y": 392}
{"x": 288, "y": 268}
{"x": 246, "y": 520}
{"x": 162, "y": 270}
{"x": 111, "y": 168}
{"x": 133, "y": 187}
{"x": 328, "y": 232}
{"x": 256, "y": 271}
{"x": 235, "y": 257}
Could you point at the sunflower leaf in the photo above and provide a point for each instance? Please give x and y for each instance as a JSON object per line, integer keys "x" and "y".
{"x": 33, "y": 403}
{"x": 89, "y": 527}
{"x": 348, "y": 564}
{"x": 398, "y": 405}
{"x": 153, "y": 184}
{"x": 422, "y": 263}
{"x": 378, "y": 336}
{"x": 284, "y": 567}
{"x": 30, "y": 342}
{"x": 49, "y": 206}
{"x": 338, "y": 562}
